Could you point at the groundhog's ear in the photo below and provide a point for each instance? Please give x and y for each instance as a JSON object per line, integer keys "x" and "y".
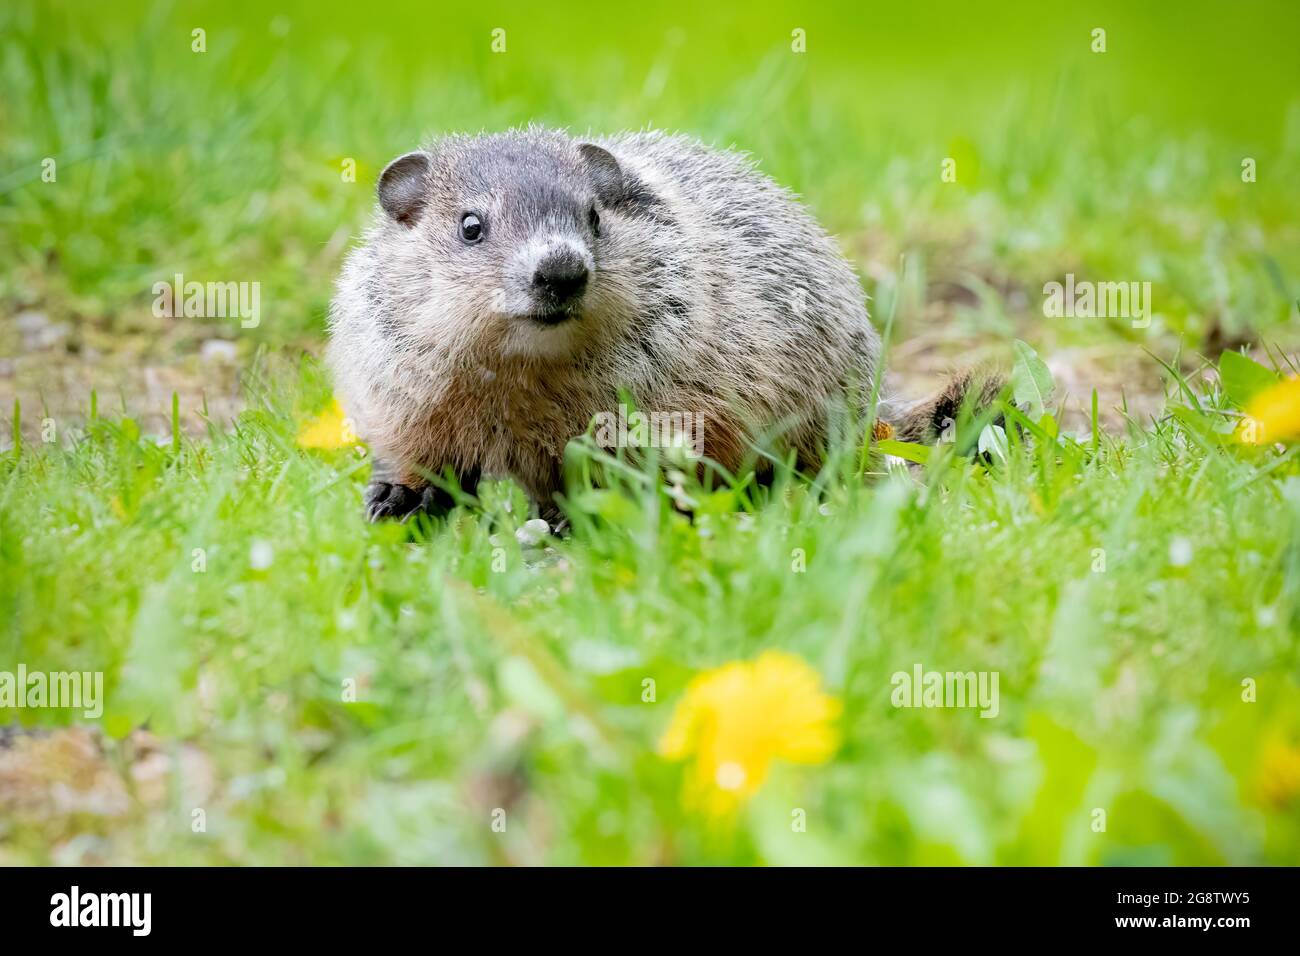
{"x": 403, "y": 186}
{"x": 604, "y": 172}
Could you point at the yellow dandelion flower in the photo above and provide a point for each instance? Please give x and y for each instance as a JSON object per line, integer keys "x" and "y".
{"x": 735, "y": 720}
{"x": 330, "y": 429}
{"x": 1273, "y": 415}
{"x": 1278, "y": 776}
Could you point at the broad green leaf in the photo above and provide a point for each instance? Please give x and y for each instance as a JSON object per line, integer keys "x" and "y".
{"x": 993, "y": 438}
{"x": 1243, "y": 378}
{"x": 1210, "y": 431}
{"x": 908, "y": 451}
{"x": 1031, "y": 382}
{"x": 525, "y": 688}
{"x": 1067, "y": 764}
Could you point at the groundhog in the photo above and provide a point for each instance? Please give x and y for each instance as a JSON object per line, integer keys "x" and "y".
{"x": 514, "y": 286}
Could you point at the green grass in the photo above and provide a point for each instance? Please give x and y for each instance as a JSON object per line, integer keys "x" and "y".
{"x": 1123, "y": 585}
{"x": 497, "y": 675}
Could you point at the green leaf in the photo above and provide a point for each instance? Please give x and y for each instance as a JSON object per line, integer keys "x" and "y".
{"x": 1031, "y": 382}
{"x": 1243, "y": 378}
{"x": 993, "y": 439}
{"x": 1067, "y": 763}
{"x": 1202, "y": 426}
{"x": 525, "y": 688}
{"x": 908, "y": 451}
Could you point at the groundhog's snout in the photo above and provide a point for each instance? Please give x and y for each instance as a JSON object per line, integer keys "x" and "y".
{"x": 556, "y": 283}
{"x": 560, "y": 278}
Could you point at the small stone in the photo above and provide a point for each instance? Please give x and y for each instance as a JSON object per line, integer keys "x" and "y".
{"x": 533, "y": 532}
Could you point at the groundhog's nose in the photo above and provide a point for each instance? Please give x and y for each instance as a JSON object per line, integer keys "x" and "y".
{"x": 560, "y": 278}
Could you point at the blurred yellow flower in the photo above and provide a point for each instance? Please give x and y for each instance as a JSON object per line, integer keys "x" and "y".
{"x": 330, "y": 429}
{"x": 1278, "y": 776}
{"x": 735, "y": 720}
{"x": 1273, "y": 415}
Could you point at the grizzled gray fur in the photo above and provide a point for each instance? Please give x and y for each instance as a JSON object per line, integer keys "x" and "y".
{"x": 512, "y": 283}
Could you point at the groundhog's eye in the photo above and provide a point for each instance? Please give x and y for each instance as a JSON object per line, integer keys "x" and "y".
{"x": 471, "y": 227}
{"x": 593, "y": 217}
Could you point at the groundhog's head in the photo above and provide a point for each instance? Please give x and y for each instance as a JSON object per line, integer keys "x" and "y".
{"x": 497, "y": 242}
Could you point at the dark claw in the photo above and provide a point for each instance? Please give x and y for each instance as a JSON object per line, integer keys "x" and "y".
{"x": 556, "y": 519}
{"x": 385, "y": 500}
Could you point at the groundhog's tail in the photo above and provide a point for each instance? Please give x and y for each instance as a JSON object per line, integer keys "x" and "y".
{"x": 926, "y": 420}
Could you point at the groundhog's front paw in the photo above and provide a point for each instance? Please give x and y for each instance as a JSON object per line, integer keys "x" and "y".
{"x": 387, "y": 500}
{"x": 555, "y": 519}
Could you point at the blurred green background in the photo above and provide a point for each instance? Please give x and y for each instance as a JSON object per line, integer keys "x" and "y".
{"x": 227, "y": 164}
